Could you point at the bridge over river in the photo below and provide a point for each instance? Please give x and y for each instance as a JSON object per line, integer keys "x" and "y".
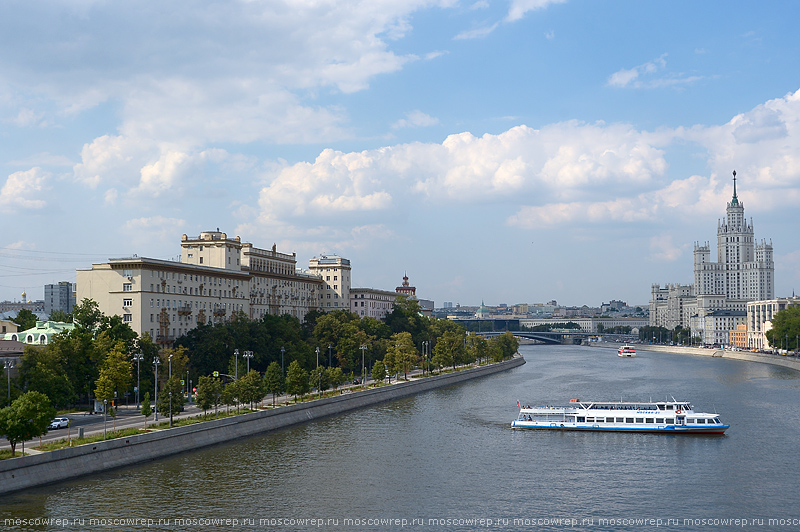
{"x": 571, "y": 336}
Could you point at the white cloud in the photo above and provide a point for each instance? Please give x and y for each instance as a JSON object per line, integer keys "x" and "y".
{"x": 24, "y": 191}
{"x": 150, "y": 231}
{"x": 476, "y": 33}
{"x": 647, "y": 76}
{"x": 416, "y": 119}
{"x": 519, "y": 8}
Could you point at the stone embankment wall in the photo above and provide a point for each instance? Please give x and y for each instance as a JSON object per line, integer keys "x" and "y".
{"x": 35, "y": 470}
{"x": 777, "y": 360}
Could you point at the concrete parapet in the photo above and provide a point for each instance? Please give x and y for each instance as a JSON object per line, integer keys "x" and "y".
{"x": 45, "y": 468}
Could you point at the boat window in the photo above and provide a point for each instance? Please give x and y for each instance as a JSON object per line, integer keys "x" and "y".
{"x": 640, "y": 420}
{"x": 690, "y": 420}
{"x": 670, "y": 421}
{"x": 716, "y": 420}
{"x": 581, "y": 419}
{"x": 660, "y": 407}
{"x": 650, "y": 420}
{"x": 628, "y": 420}
{"x": 590, "y": 420}
{"x": 701, "y": 421}
{"x": 660, "y": 420}
{"x": 669, "y": 407}
{"x": 620, "y": 420}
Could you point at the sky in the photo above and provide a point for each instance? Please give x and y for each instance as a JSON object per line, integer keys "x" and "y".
{"x": 516, "y": 151}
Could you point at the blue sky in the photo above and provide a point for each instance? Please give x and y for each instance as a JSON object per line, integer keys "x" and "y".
{"x": 513, "y": 151}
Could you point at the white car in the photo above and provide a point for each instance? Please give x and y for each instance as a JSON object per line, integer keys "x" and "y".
{"x": 59, "y": 423}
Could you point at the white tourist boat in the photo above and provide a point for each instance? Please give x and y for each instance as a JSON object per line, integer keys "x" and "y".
{"x": 668, "y": 417}
{"x": 626, "y": 351}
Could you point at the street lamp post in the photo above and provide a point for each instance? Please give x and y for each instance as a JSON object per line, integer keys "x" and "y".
{"x": 282, "y": 361}
{"x": 170, "y": 409}
{"x": 8, "y": 365}
{"x": 248, "y": 355}
{"x": 363, "y": 367}
{"x": 236, "y": 356}
{"x": 329, "y": 355}
{"x": 105, "y": 410}
{"x": 138, "y": 357}
{"x": 170, "y": 366}
{"x": 319, "y": 376}
{"x": 156, "y": 363}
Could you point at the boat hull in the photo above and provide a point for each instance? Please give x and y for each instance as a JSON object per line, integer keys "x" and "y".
{"x": 666, "y": 429}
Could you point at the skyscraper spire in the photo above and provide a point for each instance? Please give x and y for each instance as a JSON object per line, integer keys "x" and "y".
{"x": 735, "y": 200}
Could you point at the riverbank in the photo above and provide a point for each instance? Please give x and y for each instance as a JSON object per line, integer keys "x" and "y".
{"x": 55, "y": 466}
{"x": 776, "y": 360}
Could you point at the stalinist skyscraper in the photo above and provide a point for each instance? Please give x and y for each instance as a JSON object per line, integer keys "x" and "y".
{"x": 744, "y": 271}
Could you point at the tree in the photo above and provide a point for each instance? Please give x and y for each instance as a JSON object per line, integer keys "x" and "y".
{"x": 44, "y": 369}
{"x": 175, "y": 404}
{"x": 296, "y": 380}
{"x": 209, "y": 391}
{"x": 318, "y": 378}
{"x": 251, "y": 388}
{"x": 273, "y": 380}
{"x": 146, "y": 410}
{"x": 378, "y": 371}
{"x": 230, "y": 395}
{"x": 507, "y": 343}
{"x": 336, "y": 377}
{"x": 478, "y": 347}
{"x": 25, "y": 319}
{"x": 115, "y": 374}
{"x": 449, "y": 349}
{"x": 60, "y": 316}
{"x": 27, "y": 417}
{"x": 785, "y": 328}
{"x": 404, "y": 354}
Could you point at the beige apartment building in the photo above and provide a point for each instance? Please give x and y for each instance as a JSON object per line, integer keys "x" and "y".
{"x": 334, "y": 272}
{"x": 759, "y": 319}
{"x": 216, "y": 278}
{"x": 371, "y": 302}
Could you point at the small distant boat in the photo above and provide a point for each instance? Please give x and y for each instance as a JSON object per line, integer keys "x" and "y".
{"x": 664, "y": 417}
{"x": 626, "y": 351}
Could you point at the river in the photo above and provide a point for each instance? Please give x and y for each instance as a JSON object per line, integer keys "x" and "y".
{"x": 447, "y": 460}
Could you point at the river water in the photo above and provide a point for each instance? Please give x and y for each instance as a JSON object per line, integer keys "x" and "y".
{"x": 447, "y": 460}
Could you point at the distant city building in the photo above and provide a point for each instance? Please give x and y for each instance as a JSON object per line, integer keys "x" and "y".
{"x": 8, "y": 326}
{"x": 59, "y": 296}
{"x": 405, "y": 289}
{"x": 216, "y": 278}
{"x": 371, "y": 302}
{"x": 335, "y": 274}
{"x": 744, "y": 271}
{"x": 25, "y": 303}
{"x": 41, "y": 334}
{"x": 738, "y": 336}
{"x": 589, "y": 325}
{"x": 759, "y": 319}
{"x": 447, "y": 304}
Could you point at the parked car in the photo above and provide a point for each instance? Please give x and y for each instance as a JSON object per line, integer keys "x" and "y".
{"x": 59, "y": 423}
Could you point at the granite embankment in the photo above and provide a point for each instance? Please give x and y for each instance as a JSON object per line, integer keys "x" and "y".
{"x": 777, "y": 360}
{"x": 45, "y": 468}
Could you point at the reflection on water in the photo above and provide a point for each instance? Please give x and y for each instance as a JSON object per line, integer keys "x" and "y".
{"x": 450, "y": 454}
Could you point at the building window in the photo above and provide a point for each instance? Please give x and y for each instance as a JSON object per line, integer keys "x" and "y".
{"x": 127, "y": 318}
{"x": 127, "y": 287}
{"x": 127, "y": 302}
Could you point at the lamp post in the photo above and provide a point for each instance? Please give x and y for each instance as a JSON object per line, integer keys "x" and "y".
{"x": 363, "y": 367}
{"x": 329, "y": 355}
{"x": 282, "y": 361}
{"x": 156, "y": 363}
{"x": 170, "y": 366}
{"x": 138, "y": 357}
{"x": 105, "y": 410}
{"x": 319, "y": 376}
{"x": 8, "y": 364}
{"x": 248, "y": 355}
{"x": 236, "y": 356}
{"x": 170, "y": 409}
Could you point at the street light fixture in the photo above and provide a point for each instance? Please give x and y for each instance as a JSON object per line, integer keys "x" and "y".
{"x": 329, "y": 355}
{"x": 319, "y": 376}
{"x": 156, "y": 363}
{"x": 138, "y": 357}
{"x": 170, "y": 409}
{"x": 236, "y": 355}
{"x": 363, "y": 367}
{"x": 170, "y": 366}
{"x": 105, "y": 410}
{"x": 248, "y": 355}
{"x": 282, "y": 361}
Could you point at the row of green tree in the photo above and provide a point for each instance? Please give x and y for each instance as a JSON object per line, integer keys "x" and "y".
{"x": 102, "y": 358}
